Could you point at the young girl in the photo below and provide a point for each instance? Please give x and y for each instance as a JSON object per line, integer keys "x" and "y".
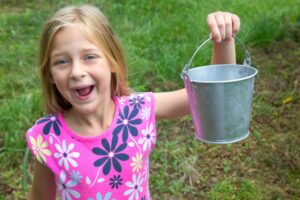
{"x": 95, "y": 142}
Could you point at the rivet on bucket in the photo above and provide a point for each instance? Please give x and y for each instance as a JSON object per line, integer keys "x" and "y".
{"x": 220, "y": 99}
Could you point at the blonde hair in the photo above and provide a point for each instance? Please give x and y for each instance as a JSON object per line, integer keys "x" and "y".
{"x": 95, "y": 25}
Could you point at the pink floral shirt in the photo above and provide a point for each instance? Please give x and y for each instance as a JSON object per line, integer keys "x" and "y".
{"x": 113, "y": 165}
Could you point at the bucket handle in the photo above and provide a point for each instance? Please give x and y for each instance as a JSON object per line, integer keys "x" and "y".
{"x": 247, "y": 60}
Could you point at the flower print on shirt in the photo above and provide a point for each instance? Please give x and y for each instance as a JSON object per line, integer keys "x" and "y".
{"x": 149, "y": 137}
{"x": 65, "y": 187}
{"x": 115, "y": 182}
{"x": 52, "y": 121}
{"x": 145, "y": 113}
{"x": 99, "y": 196}
{"x": 110, "y": 154}
{"x": 65, "y": 155}
{"x": 137, "y": 162}
{"x": 137, "y": 102}
{"x": 39, "y": 148}
{"x": 126, "y": 122}
{"x": 122, "y": 100}
{"x": 134, "y": 187}
{"x": 75, "y": 176}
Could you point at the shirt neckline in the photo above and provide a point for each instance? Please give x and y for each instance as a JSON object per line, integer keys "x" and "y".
{"x": 91, "y": 138}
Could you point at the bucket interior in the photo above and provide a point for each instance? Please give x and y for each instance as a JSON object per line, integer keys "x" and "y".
{"x": 221, "y": 73}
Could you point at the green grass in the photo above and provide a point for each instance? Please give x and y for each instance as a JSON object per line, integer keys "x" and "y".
{"x": 159, "y": 38}
{"x": 243, "y": 189}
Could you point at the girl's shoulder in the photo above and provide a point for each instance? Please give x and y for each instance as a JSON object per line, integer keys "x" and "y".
{"x": 137, "y": 100}
{"x": 40, "y": 136}
{"x": 46, "y": 124}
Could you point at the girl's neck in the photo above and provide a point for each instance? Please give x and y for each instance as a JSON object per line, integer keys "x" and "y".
{"x": 90, "y": 124}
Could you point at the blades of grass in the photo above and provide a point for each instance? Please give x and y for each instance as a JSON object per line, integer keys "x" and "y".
{"x": 24, "y": 170}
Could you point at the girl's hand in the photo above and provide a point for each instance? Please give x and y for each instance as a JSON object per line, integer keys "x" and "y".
{"x": 223, "y": 25}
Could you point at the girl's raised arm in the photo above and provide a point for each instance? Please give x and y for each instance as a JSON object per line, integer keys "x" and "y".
{"x": 223, "y": 26}
{"x": 43, "y": 186}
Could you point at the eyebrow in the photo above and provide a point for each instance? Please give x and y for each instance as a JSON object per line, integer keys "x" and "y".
{"x": 82, "y": 50}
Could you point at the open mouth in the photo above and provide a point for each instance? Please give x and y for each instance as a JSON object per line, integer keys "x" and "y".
{"x": 85, "y": 91}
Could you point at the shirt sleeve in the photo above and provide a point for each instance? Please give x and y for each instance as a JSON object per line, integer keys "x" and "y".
{"x": 150, "y": 103}
{"x": 38, "y": 144}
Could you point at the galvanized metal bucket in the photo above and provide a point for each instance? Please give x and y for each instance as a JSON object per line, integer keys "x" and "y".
{"x": 220, "y": 99}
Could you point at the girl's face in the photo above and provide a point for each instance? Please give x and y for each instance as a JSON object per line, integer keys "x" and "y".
{"x": 80, "y": 71}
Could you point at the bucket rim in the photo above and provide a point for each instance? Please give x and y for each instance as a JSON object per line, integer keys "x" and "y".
{"x": 185, "y": 75}
{"x": 228, "y": 141}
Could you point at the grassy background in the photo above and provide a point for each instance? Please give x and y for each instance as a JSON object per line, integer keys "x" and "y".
{"x": 159, "y": 38}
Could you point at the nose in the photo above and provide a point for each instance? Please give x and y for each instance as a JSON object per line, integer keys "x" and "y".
{"x": 77, "y": 70}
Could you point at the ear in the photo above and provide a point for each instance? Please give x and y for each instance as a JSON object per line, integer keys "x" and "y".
{"x": 112, "y": 67}
{"x": 113, "y": 70}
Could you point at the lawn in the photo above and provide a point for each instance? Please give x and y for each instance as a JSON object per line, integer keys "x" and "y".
{"x": 159, "y": 37}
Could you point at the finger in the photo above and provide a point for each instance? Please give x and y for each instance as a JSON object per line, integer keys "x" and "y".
{"x": 236, "y": 24}
{"x": 221, "y": 25}
{"x": 213, "y": 27}
{"x": 228, "y": 27}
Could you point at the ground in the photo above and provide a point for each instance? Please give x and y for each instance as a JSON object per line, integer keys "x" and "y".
{"x": 266, "y": 164}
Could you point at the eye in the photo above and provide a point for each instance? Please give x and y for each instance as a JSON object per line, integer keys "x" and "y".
{"x": 90, "y": 57}
{"x": 61, "y": 61}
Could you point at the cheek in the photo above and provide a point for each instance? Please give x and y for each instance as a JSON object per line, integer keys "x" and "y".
{"x": 58, "y": 80}
{"x": 57, "y": 75}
